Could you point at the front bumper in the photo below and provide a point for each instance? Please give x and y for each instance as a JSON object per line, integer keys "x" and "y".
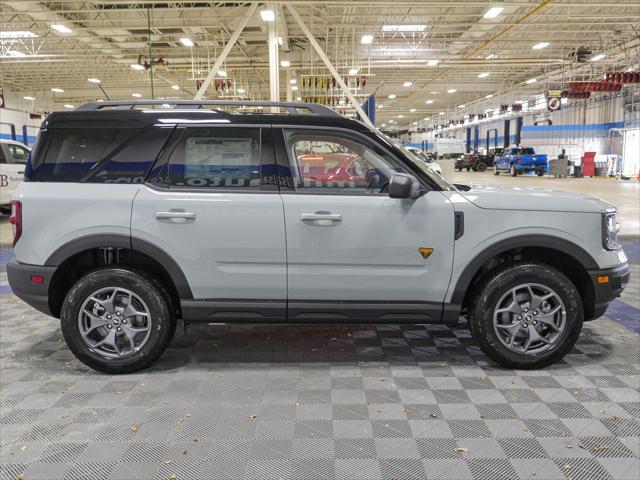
{"x": 607, "y": 285}
{"x": 21, "y": 277}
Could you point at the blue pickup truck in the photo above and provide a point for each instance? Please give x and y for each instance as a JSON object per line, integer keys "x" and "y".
{"x": 517, "y": 160}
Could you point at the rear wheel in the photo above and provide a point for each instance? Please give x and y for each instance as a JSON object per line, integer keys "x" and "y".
{"x": 540, "y": 173}
{"x": 526, "y": 315}
{"x": 117, "y": 321}
{"x": 468, "y": 168}
{"x": 513, "y": 171}
{"x": 482, "y": 166}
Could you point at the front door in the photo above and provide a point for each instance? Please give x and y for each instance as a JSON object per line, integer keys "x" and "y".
{"x": 209, "y": 207}
{"x": 353, "y": 253}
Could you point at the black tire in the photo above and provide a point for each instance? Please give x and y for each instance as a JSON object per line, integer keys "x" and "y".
{"x": 155, "y": 297}
{"x": 468, "y": 168}
{"x": 540, "y": 173}
{"x": 495, "y": 284}
{"x": 482, "y": 166}
{"x": 513, "y": 171}
{"x": 459, "y": 169}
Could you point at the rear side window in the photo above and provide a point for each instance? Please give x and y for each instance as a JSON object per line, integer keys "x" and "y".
{"x": 73, "y": 153}
{"x": 216, "y": 158}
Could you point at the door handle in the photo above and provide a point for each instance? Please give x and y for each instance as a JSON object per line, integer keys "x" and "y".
{"x": 21, "y": 172}
{"x": 175, "y": 214}
{"x": 312, "y": 217}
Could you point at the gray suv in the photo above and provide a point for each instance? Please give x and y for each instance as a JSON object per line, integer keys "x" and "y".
{"x": 136, "y": 214}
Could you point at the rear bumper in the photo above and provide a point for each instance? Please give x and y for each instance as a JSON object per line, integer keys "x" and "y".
{"x": 529, "y": 168}
{"x": 607, "y": 285}
{"x": 35, "y": 294}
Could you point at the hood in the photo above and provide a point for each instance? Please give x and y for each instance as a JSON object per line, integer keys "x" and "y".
{"x": 503, "y": 197}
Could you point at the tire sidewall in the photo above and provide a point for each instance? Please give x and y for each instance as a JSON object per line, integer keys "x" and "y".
{"x": 116, "y": 277}
{"x": 501, "y": 283}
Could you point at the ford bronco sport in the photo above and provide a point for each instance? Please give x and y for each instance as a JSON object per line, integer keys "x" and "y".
{"x": 136, "y": 214}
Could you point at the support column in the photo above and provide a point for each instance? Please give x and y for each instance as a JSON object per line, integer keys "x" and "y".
{"x": 274, "y": 66}
{"x": 225, "y": 51}
{"x": 288, "y": 86}
{"x": 316, "y": 46}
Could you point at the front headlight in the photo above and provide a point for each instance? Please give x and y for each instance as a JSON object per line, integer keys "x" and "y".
{"x": 610, "y": 231}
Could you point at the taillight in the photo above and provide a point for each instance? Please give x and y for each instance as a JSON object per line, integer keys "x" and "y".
{"x": 16, "y": 220}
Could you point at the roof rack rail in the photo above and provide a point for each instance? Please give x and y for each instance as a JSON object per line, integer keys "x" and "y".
{"x": 291, "y": 107}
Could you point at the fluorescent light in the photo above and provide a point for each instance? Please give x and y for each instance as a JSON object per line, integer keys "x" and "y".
{"x": 407, "y": 84}
{"x": 461, "y": 106}
{"x": 366, "y": 39}
{"x": 440, "y": 113}
{"x": 540, "y": 46}
{"x": 600, "y": 56}
{"x": 483, "y": 75}
{"x": 61, "y": 28}
{"x": 489, "y": 96}
{"x": 412, "y": 110}
{"x": 186, "y": 42}
{"x": 17, "y": 34}
{"x": 93, "y": 80}
{"x": 401, "y": 116}
{"x": 241, "y": 90}
{"x": 29, "y": 98}
{"x": 280, "y": 41}
{"x": 175, "y": 87}
{"x": 353, "y": 71}
{"x": 392, "y": 121}
{"x": 392, "y": 96}
{"x": 384, "y": 124}
{"x": 67, "y": 105}
{"x": 16, "y": 53}
{"x": 403, "y": 28}
{"x": 99, "y": 100}
{"x": 137, "y": 95}
{"x": 426, "y": 118}
{"x": 293, "y": 81}
{"x": 429, "y": 102}
{"x": 57, "y": 90}
{"x": 222, "y": 73}
{"x": 298, "y": 99}
{"x": 137, "y": 66}
{"x": 285, "y": 63}
{"x": 490, "y": 56}
{"x": 493, "y": 12}
{"x": 452, "y": 90}
{"x": 432, "y": 63}
{"x": 531, "y": 80}
{"x": 267, "y": 15}
{"x": 294, "y": 88}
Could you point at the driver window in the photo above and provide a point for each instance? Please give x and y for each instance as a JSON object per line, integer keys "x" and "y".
{"x": 325, "y": 162}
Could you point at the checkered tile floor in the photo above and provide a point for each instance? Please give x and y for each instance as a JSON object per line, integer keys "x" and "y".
{"x": 320, "y": 402}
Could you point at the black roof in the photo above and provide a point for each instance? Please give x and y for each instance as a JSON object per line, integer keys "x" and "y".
{"x": 135, "y": 115}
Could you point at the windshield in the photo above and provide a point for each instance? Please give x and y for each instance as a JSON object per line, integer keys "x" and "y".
{"x": 423, "y": 167}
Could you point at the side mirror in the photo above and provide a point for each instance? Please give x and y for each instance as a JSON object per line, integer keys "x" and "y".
{"x": 404, "y": 186}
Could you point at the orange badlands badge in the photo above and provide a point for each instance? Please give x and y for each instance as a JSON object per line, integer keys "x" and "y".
{"x": 425, "y": 252}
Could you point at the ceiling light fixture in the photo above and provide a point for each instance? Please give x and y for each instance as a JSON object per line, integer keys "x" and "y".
{"x": 222, "y": 73}
{"x": 61, "y": 28}
{"x": 493, "y": 12}
{"x": 432, "y": 63}
{"x": 540, "y": 46}
{"x": 293, "y": 81}
{"x": 400, "y": 116}
{"x": 137, "y": 95}
{"x": 600, "y": 56}
{"x": 187, "y": 42}
{"x": 483, "y": 75}
{"x": 294, "y": 88}
{"x": 489, "y": 96}
{"x": 68, "y": 105}
{"x": 440, "y": 113}
{"x": 267, "y": 15}
{"x": 392, "y": 96}
{"x": 531, "y": 80}
{"x": 407, "y": 84}
{"x": 429, "y": 102}
{"x": 285, "y": 63}
{"x": 137, "y": 66}
{"x": 412, "y": 110}
{"x": 175, "y": 87}
{"x": 366, "y": 39}
{"x": 57, "y": 90}
{"x": 241, "y": 90}
{"x": 452, "y": 90}
{"x": 93, "y": 80}
{"x": 403, "y": 28}
{"x": 354, "y": 71}
{"x": 461, "y": 106}
{"x": 29, "y": 98}
{"x": 490, "y": 56}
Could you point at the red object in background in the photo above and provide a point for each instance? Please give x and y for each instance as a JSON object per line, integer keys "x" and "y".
{"x": 589, "y": 164}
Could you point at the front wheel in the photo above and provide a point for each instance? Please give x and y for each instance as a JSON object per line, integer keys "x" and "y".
{"x": 116, "y": 320}
{"x": 482, "y": 166}
{"x": 526, "y": 315}
{"x": 495, "y": 170}
{"x": 468, "y": 169}
{"x": 513, "y": 171}
{"x": 540, "y": 173}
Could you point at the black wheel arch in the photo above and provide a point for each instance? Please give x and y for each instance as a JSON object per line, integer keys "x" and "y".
{"x": 570, "y": 258}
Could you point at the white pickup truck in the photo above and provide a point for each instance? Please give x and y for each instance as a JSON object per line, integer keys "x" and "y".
{"x": 13, "y": 160}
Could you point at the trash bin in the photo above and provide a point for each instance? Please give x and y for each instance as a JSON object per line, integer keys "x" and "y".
{"x": 577, "y": 171}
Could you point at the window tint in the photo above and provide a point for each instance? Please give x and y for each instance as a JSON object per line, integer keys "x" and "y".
{"x": 19, "y": 154}
{"x": 216, "y": 158}
{"x": 328, "y": 162}
{"x": 74, "y": 152}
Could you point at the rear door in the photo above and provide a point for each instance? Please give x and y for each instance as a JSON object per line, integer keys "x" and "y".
{"x": 211, "y": 204}
{"x": 353, "y": 252}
